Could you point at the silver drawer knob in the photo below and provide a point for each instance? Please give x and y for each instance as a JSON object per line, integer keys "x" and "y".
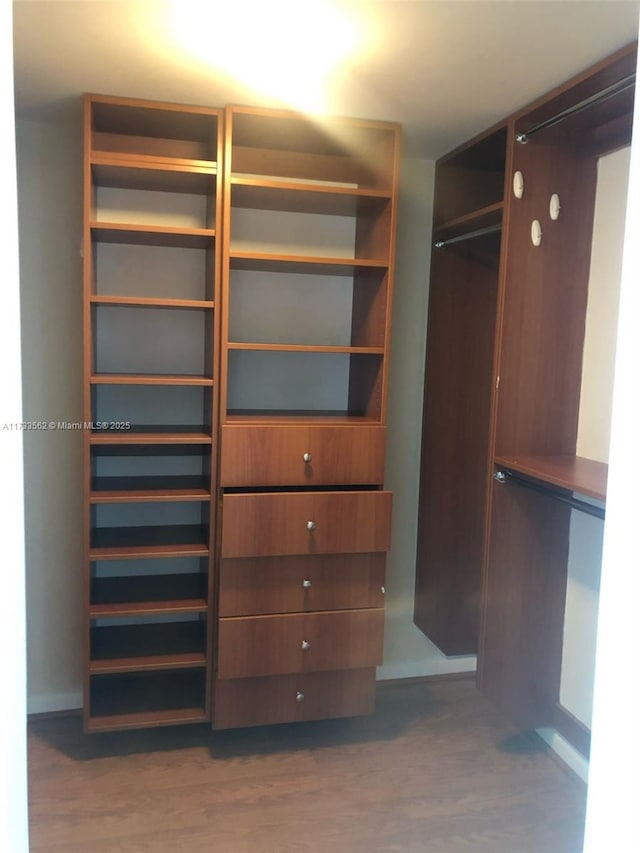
{"x": 306, "y": 584}
{"x": 299, "y": 696}
{"x": 382, "y": 590}
{"x": 306, "y": 457}
{"x": 311, "y": 525}
{"x": 305, "y": 645}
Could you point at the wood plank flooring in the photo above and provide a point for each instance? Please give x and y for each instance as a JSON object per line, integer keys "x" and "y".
{"x": 436, "y": 770}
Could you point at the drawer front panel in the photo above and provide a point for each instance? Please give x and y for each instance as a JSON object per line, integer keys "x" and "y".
{"x": 272, "y": 524}
{"x": 294, "y": 698}
{"x": 306, "y": 642}
{"x": 275, "y": 455}
{"x": 254, "y": 586}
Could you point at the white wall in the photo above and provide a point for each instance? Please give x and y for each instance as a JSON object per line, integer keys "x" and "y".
{"x": 50, "y": 216}
{"x": 13, "y": 752}
{"x": 614, "y": 784}
{"x": 50, "y": 175}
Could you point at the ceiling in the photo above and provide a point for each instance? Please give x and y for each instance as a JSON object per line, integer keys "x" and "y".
{"x": 444, "y": 70}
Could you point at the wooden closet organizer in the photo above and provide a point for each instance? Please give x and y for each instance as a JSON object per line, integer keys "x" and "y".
{"x": 238, "y": 267}
{"x": 500, "y": 474}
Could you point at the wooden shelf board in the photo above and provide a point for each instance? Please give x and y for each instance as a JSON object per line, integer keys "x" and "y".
{"x": 119, "y": 543}
{"x": 152, "y": 235}
{"x": 152, "y": 161}
{"x": 146, "y": 719}
{"x": 301, "y": 197}
{"x": 147, "y": 664}
{"x": 145, "y": 647}
{"x": 148, "y": 379}
{"x": 152, "y": 174}
{"x": 151, "y": 302}
{"x": 573, "y": 473}
{"x": 296, "y": 417}
{"x": 484, "y": 217}
{"x": 304, "y": 348}
{"x": 149, "y": 434}
{"x": 126, "y": 489}
{"x": 148, "y": 594}
{"x": 311, "y": 265}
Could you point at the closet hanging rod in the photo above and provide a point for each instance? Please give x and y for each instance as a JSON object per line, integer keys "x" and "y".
{"x": 503, "y": 476}
{"x": 598, "y": 97}
{"x": 479, "y": 232}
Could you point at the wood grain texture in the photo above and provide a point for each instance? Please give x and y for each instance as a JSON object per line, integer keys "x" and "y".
{"x": 526, "y": 580}
{"x": 273, "y": 455}
{"x": 456, "y": 444}
{"x": 294, "y": 698}
{"x": 273, "y": 523}
{"x": 435, "y": 769}
{"x": 294, "y": 584}
{"x": 250, "y": 646}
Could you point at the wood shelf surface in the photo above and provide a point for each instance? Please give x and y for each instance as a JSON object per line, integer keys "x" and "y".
{"x": 170, "y": 488}
{"x": 148, "y": 379}
{"x": 311, "y": 265}
{"x": 150, "y": 435}
{"x": 260, "y": 347}
{"x": 304, "y": 197}
{"x": 255, "y": 418}
{"x": 153, "y": 174}
{"x": 156, "y": 697}
{"x": 119, "y": 543}
{"x": 152, "y": 302}
{"x": 146, "y": 719}
{"x": 574, "y": 473}
{"x": 152, "y": 235}
{"x": 140, "y": 648}
{"x": 163, "y": 162}
{"x": 481, "y": 218}
{"x": 148, "y": 594}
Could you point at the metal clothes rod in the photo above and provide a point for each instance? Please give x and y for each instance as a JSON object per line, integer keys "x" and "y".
{"x": 479, "y": 232}
{"x": 598, "y": 97}
{"x": 583, "y": 506}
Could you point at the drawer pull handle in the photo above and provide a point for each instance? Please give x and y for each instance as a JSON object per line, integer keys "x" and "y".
{"x": 306, "y": 457}
{"x": 306, "y": 584}
{"x": 311, "y": 525}
{"x": 299, "y": 696}
{"x": 305, "y": 645}
{"x": 383, "y": 590}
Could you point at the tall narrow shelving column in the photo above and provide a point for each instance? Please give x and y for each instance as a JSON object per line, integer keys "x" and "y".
{"x": 151, "y": 283}
{"x": 309, "y": 221}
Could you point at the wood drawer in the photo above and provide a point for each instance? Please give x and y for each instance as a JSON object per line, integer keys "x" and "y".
{"x": 254, "y": 586}
{"x": 294, "y": 698}
{"x": 275, "y": 455}
{"x": 273, "y": 523}
{"x": 250, "y": 646}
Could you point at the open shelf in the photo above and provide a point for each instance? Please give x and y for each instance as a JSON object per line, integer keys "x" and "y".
{"x": 151, "y": 302}
{"x": 136, "y": 700}
{"x": 148, "y": 594}
{"x": 136, "y": 648}
{"x": 574, "y": 473}
{"x": 476, "y": 219}
{"x": 151, "y": 435}
{"x": 302, "y": 348}
{"x": 152, "y": 235}
{"x": 301, "y": 197}
{"x": 152, "y": 174}
{"x": 147, "y": 379}
{"x": 119, "y": 543}
{"x": 310, "y": 416}
{"x": 168, "y": 488}
{"x": 313, "y": 265}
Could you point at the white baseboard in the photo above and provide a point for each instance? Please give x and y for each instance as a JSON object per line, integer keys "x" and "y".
{"x": 50, "y": 702}
{"x": 566, "y": 753}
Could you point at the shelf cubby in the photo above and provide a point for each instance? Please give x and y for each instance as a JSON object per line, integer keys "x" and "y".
{"x": 136, "y": 700}
{"x": 144, "y": 594}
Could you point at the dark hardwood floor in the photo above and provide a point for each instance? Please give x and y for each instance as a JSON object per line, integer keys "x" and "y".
{"x": 436, "y": 769}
